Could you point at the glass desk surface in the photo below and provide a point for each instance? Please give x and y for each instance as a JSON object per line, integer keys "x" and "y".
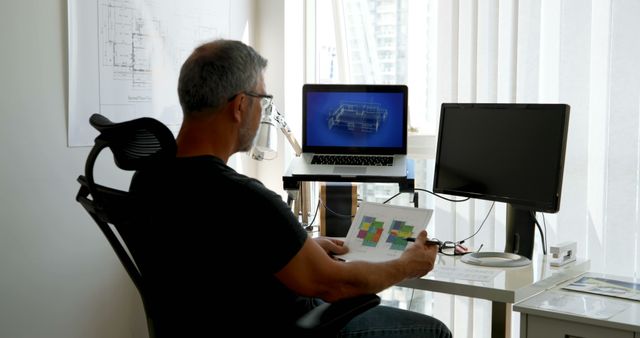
{"x": 499, "y": 284}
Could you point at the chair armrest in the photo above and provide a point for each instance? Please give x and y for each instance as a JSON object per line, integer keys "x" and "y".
{"x": 331, "y": 317}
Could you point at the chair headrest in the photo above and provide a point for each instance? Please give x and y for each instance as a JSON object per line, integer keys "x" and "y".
{"x": 137, "y": 143}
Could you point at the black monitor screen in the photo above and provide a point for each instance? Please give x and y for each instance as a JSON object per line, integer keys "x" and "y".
{"x": 510, "y": 153}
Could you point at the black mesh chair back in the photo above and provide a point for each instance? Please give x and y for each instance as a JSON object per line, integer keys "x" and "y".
{"x": 135, "y": 144}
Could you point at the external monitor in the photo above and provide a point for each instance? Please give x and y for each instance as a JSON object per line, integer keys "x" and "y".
{"x": 512, "y": 153}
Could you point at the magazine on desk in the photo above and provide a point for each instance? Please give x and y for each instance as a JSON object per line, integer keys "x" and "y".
{"x": 378, "y": 232}
{"x": 607, "y": 286}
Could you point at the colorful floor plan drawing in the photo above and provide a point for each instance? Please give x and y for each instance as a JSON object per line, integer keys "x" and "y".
{"x": 379, "y": 231}
{"x": 398, "y": 234}
{"x": 370, "y": 231}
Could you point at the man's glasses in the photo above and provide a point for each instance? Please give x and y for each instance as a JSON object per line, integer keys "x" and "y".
{"x": 448, "y": 248}
{"x": 266, "y": 100}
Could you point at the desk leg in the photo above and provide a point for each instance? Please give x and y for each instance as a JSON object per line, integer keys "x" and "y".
{"x": 292, "y": 195}
{"x": 304, "y": 201}
{"x": 500, "y": 320}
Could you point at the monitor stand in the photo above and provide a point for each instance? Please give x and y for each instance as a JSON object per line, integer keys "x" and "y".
{"x": 495, "y": 259}
{"x": 520, "y": 231}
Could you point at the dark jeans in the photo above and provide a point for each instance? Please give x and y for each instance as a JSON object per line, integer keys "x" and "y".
{"x": 384, "y": 321}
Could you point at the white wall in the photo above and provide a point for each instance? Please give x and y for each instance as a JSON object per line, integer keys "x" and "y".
{"x": 58, "y": 275}
{"x": 270, "y": 44}
{"x": 280, "y": 40}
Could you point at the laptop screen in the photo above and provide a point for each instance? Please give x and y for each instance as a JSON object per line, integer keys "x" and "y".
{"x": 354, "y": 119}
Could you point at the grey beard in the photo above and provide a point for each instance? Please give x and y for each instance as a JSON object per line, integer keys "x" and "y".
{"x": 245, "y": 138}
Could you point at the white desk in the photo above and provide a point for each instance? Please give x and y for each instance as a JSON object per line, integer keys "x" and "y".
{"x": 508, "y": 286}
{"x": 578, "y": 314}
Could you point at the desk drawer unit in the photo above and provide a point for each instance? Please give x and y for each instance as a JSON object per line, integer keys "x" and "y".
{"x": 532, "y": 326}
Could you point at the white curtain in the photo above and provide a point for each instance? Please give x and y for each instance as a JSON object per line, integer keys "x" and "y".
{"x": 585, "y": 54}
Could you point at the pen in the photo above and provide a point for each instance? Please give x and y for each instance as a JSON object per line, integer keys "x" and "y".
{"x": 336, "y": 258}
{"x": 412, "y": 239}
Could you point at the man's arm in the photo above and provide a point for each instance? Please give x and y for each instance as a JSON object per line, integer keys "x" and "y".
{"x": 313, "y": 273}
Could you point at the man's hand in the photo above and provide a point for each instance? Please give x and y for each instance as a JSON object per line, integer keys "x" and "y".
{"x": 420, "y": 257}
{"x": 331, "y": 246}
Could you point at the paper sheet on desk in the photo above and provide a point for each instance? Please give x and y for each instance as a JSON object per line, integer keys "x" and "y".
{"x": 464, "y": 273}
{"x": 581, "y": 305}
{"x": 378, "y": 231}
{"x": 606, "y": 286}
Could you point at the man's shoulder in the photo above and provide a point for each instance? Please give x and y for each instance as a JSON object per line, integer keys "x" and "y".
{"x": 208, "y": 175}
{"x": 178, "y": 172}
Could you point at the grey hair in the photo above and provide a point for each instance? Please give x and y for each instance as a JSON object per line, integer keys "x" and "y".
{"x": 215, "y": 72}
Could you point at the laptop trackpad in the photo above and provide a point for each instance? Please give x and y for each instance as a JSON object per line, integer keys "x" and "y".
{"x": 349, "y": 170}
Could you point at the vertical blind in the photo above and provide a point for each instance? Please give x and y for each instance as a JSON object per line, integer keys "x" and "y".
{"x": 586, "y": 54}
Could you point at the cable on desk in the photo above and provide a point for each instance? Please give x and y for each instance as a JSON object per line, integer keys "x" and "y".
{"x": 430, "y": 192}
{"x": 310, "y": 226}
{"x": 456, "y": 243}
{"x": 333, "y": 212}
{"x": 392, "y": 197}
{"x": 544, "y": 221}
{"x": 481, "y": 224}
{"x": 413, "y": 292}
{"x": 439, "y": 196}
{"x": 532, "y": 214}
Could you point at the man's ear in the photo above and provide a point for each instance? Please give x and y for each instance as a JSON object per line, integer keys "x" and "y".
{"x": 238, "y": 104}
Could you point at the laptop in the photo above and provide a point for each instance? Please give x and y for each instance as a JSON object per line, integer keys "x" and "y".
{"x": 351, "y": 130}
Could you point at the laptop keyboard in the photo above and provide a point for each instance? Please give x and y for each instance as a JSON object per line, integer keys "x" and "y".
{"x": 353, "y": 160}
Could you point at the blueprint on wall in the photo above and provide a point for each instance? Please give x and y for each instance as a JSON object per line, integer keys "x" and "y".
{"x": 132, "y": 69}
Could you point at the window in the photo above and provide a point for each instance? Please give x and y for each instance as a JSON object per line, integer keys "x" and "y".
{"x": 378, "y": 41}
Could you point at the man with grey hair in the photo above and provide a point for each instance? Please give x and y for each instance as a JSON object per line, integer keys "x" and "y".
{"x": 258, "y": 266}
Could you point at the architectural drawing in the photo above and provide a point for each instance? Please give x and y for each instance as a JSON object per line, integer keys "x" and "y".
{"x": 358, "y": 117}
{"x": 142, "y": 46}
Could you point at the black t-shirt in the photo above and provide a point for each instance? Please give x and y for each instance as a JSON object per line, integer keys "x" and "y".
{"x": 210, "y": 241}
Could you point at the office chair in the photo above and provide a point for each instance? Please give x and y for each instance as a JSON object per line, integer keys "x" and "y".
{"x": 144, "y": 143}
